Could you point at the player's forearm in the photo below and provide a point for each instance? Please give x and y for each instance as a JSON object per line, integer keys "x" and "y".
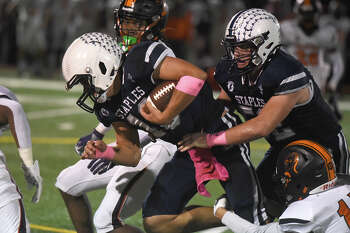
{"x": 240, "y": 225}
{"x": 18, "y": 122}
{"x": 236, "y": 135}
{"x": 20, "y": 129}
{"x": 186, "y": 90}
{"x": 178, "y": 102}
{"x": 246, "y": 132}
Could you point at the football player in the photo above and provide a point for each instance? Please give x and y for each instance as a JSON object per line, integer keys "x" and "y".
{"x": 12, "y": 215}
{"x": 126, "y": 187}
{"x": 316, "y": 46}
{"x": 94, "y": 57}
{"x": 147, "y": 63}
{"x": 317, "y": 199}
{"x": 275, "y": 93}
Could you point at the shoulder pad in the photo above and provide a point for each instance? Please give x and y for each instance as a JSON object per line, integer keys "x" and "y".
{"x": 152, "y": 52}
{"x": 284, "y": 70}
{"x": 293, "y": 213}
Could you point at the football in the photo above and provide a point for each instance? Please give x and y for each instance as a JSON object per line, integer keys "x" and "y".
{"x": 161, "y": 94}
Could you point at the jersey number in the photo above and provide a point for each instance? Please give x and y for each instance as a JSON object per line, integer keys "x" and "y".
{"x": 344, "y": 210}
{"x": 309, "y": 57}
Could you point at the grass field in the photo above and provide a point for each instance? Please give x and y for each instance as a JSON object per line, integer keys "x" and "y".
{"x": 56, "y": 124}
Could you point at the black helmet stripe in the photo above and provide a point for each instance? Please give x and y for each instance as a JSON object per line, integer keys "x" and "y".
{"x": 234, "y": 20}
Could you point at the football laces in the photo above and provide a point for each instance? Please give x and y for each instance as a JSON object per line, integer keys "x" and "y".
{"x": 168, "y": 88}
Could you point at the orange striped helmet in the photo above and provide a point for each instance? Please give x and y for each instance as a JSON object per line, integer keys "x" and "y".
{"x": 151, "y": 15}
{"x": 308, "y": 12}
{"x": 303, "y": 166}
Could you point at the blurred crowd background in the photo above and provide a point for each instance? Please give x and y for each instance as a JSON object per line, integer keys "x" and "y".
{"x": 35, "y": 33}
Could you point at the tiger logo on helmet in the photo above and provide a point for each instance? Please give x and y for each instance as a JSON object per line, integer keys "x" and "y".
{"x": 304, "y": 167}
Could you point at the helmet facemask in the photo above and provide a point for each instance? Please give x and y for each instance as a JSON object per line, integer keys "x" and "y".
{"x": 253, "y": 45}
{"x": 90, "y": 93}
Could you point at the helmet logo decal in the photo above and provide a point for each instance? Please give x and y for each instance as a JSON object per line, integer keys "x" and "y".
{"x": 129, "y": 3}
{"x": 291, "y": 162}
{"x": 104, "y": 112}
{"x": 230, "y": 86}
{"x": 323, "y": 153}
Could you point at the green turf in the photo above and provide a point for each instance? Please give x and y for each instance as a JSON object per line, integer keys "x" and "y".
{"x": 54, "y": 157}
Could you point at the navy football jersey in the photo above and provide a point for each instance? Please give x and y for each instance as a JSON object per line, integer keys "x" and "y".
{"x": 203, "y": 114}
{"x": 284, "y": 74}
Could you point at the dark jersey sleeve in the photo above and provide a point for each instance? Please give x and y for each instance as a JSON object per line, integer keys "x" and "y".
{"x": 286, "y": 75}
{"x": 144, "y": 58}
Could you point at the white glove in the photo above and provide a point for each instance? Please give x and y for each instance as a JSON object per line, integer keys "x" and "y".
{"x": 33, "y": 178}
{"x": 221, "y": 202}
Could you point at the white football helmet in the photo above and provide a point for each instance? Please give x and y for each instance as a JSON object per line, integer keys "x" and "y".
{"x": 256, "y": 29}
{"x": 91, "y": 60}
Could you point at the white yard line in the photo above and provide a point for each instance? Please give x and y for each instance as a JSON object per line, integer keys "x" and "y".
{"x": 35, "y": 84}
{"x": 46, "y": 100}
{"x": 344, "y": 105}
{"x": 53, "y": 113}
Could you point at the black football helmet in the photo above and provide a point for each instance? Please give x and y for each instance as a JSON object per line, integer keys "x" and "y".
{"x": 304, "y": 167}
{"x": 149, "y": 15}
{"x": 308, "y": 12}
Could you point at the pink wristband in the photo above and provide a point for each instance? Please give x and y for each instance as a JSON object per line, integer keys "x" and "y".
{"x": 216, "y": 139}
{"x": 107, "y": 154}
{"x": 190, "y": 85}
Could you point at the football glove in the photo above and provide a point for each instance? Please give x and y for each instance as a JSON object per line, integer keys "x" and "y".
{"x": 100, "y": 166}
{"x": 80, "y": 145}
{"x": 221, "y": 202}
{"x": 33, "y": 178}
